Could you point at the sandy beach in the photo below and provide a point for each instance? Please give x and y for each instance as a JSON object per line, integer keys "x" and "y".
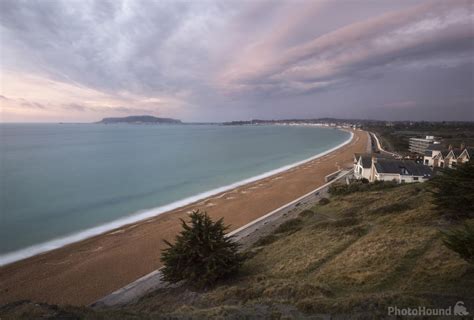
{"x": 83, "y": 272}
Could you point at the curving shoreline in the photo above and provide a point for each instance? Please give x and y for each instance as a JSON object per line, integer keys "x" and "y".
{"x": 82, "y": 272}
{"x": 148, "y": 213}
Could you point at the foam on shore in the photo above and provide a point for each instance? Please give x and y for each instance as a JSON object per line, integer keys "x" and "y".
{"x": 146, "y": 214}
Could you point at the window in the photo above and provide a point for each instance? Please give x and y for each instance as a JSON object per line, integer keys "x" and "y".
{"x": 426, "y": 161}
{"x": 415, "y": 178}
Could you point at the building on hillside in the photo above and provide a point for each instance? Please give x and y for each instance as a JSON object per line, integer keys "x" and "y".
{"x": 466, "y": 155}
{"x": 363, "y": 164}
{"x": 438, "y": 160}
{"x": 451, "y": 159}
{"x": 437, "y": 157}
{"x": 432, "y": 151}
{"x": 420, "y": 145}
{"x": 401, "y": 171}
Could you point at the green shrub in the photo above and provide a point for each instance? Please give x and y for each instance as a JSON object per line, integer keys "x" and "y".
{"x": 338, "y": 189}
{"x": 306, "y": 213}
{"x": 323, "y": 201}
{"x": 201, "y": 254}
{"x": 392, "y": 208}
{"x": 453, "y": 191}
{"x": 291, "y": 225}
{"x": 381, "y": 185}
{"x": 339, "y": 223}
{"x": 266, "y": 240}
{"x": 461, "y": 241}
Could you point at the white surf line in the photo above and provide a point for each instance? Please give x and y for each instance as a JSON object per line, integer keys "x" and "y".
{"x": 147, "y": 214}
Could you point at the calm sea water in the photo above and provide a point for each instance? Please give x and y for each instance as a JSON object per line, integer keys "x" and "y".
{"x": 57, "y": 180}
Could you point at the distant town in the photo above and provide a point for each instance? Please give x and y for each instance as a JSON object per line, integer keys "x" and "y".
{"x": 402, "y": 151}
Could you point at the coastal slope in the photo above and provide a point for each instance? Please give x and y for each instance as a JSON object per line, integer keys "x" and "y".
{"x": 355, "y": 257}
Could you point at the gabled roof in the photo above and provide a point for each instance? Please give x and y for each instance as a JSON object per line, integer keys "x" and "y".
{"x": 357, "y": 155}
{"x": 403, "y": 167}
{"x": 366, "y": 158}
{"x": 366, "y": 161}
{"x": 445, "y": 153}
{"x": 456, "y": 152}
{"x": 469, "y": 151}
{"x": 441, "y": 155}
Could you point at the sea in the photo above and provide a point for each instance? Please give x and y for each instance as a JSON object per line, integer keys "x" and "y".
{"x": 61, "y": 183}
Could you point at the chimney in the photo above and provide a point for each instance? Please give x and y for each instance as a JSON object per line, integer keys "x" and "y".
{"x": 463, "y": 146}
{"x": 450, "y": 147}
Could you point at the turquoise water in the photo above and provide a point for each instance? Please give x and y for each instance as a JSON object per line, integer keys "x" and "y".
{"x": 57, "y": 180}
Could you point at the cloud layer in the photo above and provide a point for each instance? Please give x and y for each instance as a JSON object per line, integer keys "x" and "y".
{"x": 214, "y": 60}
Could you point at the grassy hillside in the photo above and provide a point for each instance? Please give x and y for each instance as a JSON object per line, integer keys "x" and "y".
{"x": 356, "y": 255}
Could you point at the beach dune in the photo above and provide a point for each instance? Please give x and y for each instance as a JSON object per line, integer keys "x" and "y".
{"x": 83, "y": 272}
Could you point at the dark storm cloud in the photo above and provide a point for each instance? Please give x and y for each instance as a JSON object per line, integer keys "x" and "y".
{"x": 108, "y": 45}
{"x": 217, "y": 60}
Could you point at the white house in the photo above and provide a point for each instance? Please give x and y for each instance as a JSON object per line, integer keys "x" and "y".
{"x": 432, "y": 151}
{"x": 363, "y": 164}
{"x": 399, "y": 170}
{"x": 466, "y": 155}
{"x": 451, "y": 160}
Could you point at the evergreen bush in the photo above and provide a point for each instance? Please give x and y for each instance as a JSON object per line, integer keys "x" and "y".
{"x": 202, "y": 254}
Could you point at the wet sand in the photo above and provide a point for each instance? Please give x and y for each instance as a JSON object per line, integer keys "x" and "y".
{"x": 83, "y": 272}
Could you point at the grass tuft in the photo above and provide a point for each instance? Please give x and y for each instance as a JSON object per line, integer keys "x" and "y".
{"x": 290, "y": 226}
{"x": 306, "y": 213}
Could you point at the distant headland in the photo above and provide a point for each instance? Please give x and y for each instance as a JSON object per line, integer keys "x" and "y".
{"x": 140, "y": 120}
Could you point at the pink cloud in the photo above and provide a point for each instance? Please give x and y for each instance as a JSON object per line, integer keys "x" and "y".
{"x": 401, "y": 36}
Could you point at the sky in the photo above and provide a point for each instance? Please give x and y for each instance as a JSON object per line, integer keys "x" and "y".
{"x": 200, "y": 60}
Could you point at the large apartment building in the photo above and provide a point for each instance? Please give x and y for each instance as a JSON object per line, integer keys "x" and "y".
{"x": 420, "y": 145}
